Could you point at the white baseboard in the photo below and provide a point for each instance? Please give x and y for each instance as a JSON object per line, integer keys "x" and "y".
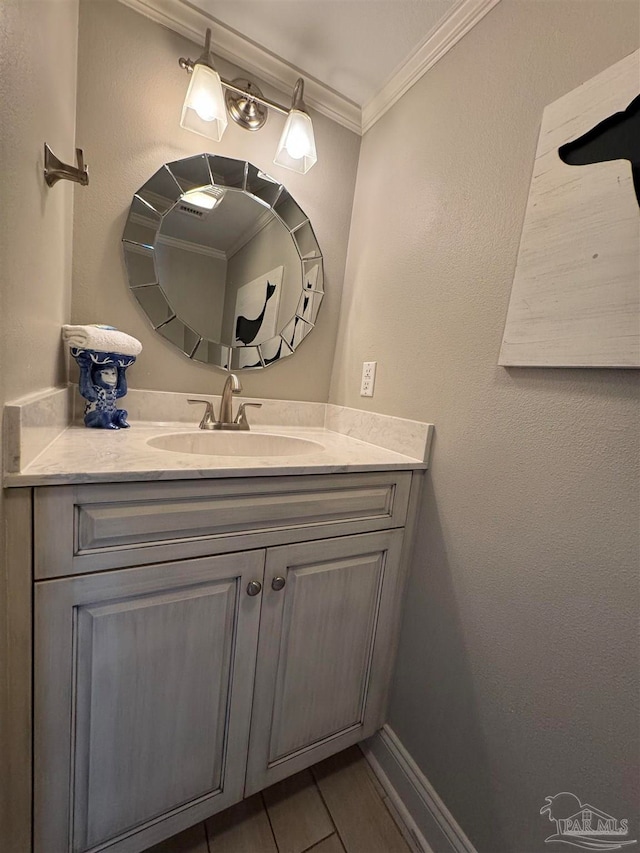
{"x": 429, "y": 821}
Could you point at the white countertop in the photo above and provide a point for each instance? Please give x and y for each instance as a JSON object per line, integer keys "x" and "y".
{"x": 81, "y": 455}
{"x": 45, "y": 444}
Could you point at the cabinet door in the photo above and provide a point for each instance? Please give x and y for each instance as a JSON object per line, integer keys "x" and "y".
{"x": 142, "y": 700}
{"x": 325, "y": 651}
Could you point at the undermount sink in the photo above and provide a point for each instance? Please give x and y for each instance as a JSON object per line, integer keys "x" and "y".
{"x": 220, "y": 443}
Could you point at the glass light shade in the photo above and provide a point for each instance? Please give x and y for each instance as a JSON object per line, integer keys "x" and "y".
{"x": 204, "y": 111}
{"x": 297, "y": 147}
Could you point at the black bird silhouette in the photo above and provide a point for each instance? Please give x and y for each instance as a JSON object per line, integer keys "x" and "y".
{"x": 246, "y": 329}
{"x": 615, "y": 138}
{"x": 276, "y": 356}
{"x": 267, "y": 360}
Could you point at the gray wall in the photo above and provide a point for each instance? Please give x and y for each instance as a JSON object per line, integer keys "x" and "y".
{"x": 38, "y": 43}
{"x": 130, "y": 94}
{"x": 38, "y": 53}
{"x": 517, "y": 674}
{"x": 270, "y": 248}
{"x": 197, "y": 293}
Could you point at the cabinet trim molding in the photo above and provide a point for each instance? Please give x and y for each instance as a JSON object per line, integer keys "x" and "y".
{"x": 90, "y": 528}
{"x": 15, "y": 671}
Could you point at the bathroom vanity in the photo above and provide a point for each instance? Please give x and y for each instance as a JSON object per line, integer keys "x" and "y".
{"x": 200, "y": 631}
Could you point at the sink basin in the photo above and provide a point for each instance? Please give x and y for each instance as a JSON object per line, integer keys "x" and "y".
{"x": 234, "y": 444}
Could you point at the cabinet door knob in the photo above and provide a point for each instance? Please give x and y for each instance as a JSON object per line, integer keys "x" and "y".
{"x": 277, "y": 583}
{"x": 253, "y": 588}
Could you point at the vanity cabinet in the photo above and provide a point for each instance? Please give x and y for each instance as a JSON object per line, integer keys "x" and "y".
{"x": 323, "y": 651}
{"x": 143, "y": 687}
{"x": 195, "y": 642}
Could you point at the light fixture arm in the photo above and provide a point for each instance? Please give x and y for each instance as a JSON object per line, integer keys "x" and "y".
{"x": 206, "y": 58}
{"x": 260, "y": 99}
{"x": 207, "y": 107}
{"x": 297, "y": 101}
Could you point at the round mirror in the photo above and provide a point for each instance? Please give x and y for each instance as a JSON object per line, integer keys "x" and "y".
{"x": 223, "y": 261}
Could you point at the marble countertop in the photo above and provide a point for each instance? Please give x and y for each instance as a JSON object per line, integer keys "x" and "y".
{"x": 45, "y": 442}
{"x": 81, "y": 455}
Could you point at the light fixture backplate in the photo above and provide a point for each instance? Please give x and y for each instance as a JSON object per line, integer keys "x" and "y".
{"x": 246, "y": 112}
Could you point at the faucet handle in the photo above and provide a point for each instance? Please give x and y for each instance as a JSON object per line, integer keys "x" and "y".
{"x": 241, "y": 417}
{"x": 209, "y": 418}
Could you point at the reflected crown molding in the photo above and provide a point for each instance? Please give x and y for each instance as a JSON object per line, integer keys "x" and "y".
{"x": 183, "y": 18}
{"x": 188, "y": 246}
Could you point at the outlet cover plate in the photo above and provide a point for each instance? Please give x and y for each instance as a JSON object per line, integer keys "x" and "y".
{"x": 368, "y": 378}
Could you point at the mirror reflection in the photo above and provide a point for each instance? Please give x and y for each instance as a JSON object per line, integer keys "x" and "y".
{"x": 223, "y": 261}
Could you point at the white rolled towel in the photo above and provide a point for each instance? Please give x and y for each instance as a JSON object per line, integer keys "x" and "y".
{"x": 101, "y": 338}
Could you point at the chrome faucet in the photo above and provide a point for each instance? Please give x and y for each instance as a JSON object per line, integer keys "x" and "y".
{"x": 226, "y": 420}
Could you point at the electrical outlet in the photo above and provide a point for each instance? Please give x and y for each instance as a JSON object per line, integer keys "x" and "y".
{"x": 368, "y": 378}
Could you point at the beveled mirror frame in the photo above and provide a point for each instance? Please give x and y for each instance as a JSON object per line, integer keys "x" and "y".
{"x": 146, "y": 214}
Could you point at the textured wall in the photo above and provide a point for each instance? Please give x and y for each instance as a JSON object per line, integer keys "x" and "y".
{"x": 130, "y": 94}
{"x": 517, "y": 674}
{"x": 197, "y": 281}
{"x": 261, "y": 255}
{"x": 38, "y": 42}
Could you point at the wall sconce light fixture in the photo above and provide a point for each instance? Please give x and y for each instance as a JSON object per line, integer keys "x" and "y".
{"x": 207, "y": 105}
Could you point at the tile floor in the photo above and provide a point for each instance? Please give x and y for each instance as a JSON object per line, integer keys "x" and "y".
{"x": 337, "y": 806}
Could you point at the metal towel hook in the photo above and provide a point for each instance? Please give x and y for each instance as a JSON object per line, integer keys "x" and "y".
{"x": 55, "y": 170}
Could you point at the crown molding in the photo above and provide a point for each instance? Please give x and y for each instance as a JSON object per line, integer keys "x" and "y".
{"x": 199, "y": 248}
{"x": 183, "y": 18}
{"x": 261, "y": 222}
{"x": 464, "y": 15}
{"x": 188, "y": 246}
{"x": 173, "y": 242}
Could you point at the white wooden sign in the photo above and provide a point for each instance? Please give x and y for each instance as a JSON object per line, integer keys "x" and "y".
{"x": 575, "y": 300}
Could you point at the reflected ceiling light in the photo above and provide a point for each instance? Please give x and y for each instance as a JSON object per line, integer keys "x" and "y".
{"x": 206, "y": 107}
{"x": 204, "y": 199}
